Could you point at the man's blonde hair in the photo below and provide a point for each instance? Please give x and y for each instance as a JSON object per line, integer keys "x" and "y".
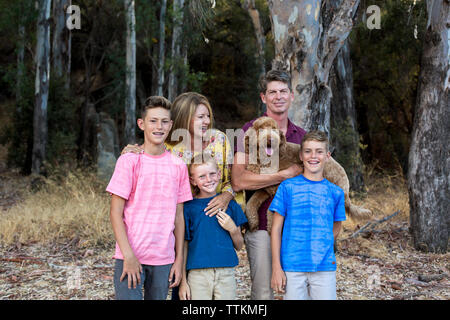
{"x": 316, "y": 135}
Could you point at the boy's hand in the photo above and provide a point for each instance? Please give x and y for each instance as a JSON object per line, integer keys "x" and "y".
{"x": 185, "y": 291}
{"x": 132, "y": 269}
{"x": 225, "y": 221}
{"x": 134, "y": 148}
{"x": 278, "y": 282}
{"x": 175, "y": 274}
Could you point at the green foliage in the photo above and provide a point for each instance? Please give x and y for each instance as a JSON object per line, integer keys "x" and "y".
{"x": 386, "y": 66}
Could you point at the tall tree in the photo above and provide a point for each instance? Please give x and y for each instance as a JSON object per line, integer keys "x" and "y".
{"x": 130, "y": 97}
{"x": 162, "y": 38}
{"x": 429, "y": 164}
{"x": 253, "y": 12}
{"x": 62, "y": 41}
{"x": 178, "y": 8}
{"x": 40, "y": 127}
{"x": 343, "y": 125}
{"x": 308, "y": 35}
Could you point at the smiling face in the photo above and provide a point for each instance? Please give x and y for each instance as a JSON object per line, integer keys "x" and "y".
{"x": 156, "y": 125}
{"x": 314, "y": 155}
{"x": 278, "y": 97}
{"x": 206, "y": 177}
{"x": 200, "y": 121}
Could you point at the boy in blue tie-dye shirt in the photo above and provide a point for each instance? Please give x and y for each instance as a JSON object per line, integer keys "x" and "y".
{"x": 308, "y": 210}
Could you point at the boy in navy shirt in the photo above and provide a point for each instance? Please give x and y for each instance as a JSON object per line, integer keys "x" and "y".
{"x": 210, "y": 242}
{"x": 308, "y": 211}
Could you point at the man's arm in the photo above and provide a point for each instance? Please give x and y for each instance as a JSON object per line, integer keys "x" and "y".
{"x": 278, "y": 281}
{"x": 242, "y": 179}
{"x": 176, "y": 269}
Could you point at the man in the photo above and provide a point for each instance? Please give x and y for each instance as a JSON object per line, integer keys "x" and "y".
{"x": 276, "y": 92}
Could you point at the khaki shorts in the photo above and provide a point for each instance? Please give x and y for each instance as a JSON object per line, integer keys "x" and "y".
{"x": 212, "y": 284}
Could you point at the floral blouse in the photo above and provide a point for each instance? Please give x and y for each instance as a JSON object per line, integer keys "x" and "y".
{"x": 218, "y": 148}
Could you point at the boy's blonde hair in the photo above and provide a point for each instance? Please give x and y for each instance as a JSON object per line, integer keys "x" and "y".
{"x": 183, "y": 109}
{"x": 316, "y": 135}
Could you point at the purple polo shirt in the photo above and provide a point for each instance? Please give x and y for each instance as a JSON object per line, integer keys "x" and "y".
{"x": 294, "y": 134}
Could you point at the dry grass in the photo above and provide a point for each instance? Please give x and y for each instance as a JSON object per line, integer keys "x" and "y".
{"x": 68, "y": 206}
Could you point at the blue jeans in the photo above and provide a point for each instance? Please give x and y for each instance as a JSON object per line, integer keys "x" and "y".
{"x": 154, "y": 279}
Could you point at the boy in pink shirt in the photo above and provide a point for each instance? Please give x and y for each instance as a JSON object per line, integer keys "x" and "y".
{"x": 148, "y": 191}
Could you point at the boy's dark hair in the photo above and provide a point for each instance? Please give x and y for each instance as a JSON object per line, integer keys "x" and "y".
{"x": 155, "y": 102}
{"x": 316, "y": 135}
{"x": 274, "y": 75}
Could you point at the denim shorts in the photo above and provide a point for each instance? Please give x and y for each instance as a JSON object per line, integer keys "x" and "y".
{"x": 154, "y": 283}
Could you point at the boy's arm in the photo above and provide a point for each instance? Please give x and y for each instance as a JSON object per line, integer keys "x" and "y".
{"x": 243, "y": 179}
{"x": 175, "y": 271}
{"x": 185, "y": 291}
{"x": 131, "y": 266}
{"x": 336, "y": 229}
{"x": 227, "y": 223}
{"x": 278, "y": 281}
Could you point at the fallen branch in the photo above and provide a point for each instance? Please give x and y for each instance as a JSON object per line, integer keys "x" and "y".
{"x": 432, "y": 277}
{"x": 372, "y": 224}
{"x": 23, "y": 260}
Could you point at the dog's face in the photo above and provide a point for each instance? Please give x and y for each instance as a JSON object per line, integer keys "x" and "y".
{"x": 264, "y": 141}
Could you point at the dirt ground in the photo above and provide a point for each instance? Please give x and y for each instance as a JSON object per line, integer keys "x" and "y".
{"x": 379, "y": 264}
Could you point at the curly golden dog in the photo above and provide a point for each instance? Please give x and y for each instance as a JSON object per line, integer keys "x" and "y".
{"x": 269, "y": 152}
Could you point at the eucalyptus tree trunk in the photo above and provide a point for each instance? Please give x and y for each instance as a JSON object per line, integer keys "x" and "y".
{"x": 253, "y": 12}
{"x": 344, "y": 130}
{"x": 308, "y": 35}
{"x": 40, "y": 129}
{"x": 20, "y": 66}
{"x": 62, "y": 41}
{"x": 130, "y": 96}
{"x": 429, "y": 155}
{"x": 162, "y": 36}
{"x": 176, "y": 49}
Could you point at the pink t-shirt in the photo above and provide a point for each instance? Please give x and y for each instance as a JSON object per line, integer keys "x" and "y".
{"x": 150, "y": 209}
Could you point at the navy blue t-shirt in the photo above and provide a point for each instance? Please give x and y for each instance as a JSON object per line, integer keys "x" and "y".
{"x": 210, "y": 246}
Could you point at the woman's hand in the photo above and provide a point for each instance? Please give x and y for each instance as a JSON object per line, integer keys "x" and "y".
{"x": 219, "y": 202}
{"x": 134, "y": 148}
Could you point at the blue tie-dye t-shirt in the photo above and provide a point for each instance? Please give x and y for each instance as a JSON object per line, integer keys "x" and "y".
{"x": 309, "y": 208}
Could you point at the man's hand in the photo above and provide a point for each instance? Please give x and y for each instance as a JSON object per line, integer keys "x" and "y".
{"x": 132, "y": 269}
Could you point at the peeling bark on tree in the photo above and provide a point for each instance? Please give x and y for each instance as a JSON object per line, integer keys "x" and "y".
{"x": 429, "y": 156}
{"x": 130, "y": 83}
{"x": 40, "y": 129}
{"x": 308, "y": 35}
{"x": 253, "y": 12}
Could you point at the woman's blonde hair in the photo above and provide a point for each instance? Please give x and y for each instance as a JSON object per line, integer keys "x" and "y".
{"x": 183, "y": 109}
